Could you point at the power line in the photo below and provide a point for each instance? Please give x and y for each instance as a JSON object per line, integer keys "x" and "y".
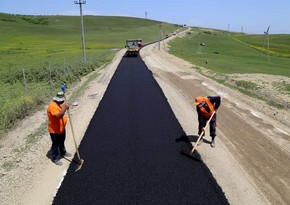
{"x": 80, "y": 2}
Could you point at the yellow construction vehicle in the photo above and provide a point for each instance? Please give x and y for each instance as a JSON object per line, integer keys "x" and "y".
{"x": 133, "y": 46}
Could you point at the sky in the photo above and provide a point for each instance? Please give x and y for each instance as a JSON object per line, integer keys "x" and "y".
{"x": 249, "y": 16}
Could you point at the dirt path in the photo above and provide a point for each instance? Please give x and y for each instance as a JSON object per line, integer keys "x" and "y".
{"x": 250, "y": 161}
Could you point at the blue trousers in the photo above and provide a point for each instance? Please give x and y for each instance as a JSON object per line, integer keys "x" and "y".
{"x": 57, "y": 147}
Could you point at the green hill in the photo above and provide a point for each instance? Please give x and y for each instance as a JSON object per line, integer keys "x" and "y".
{"x": 52, "y": 38}
{"x": 227, "y": 53}
{"x": 38, "y": 53}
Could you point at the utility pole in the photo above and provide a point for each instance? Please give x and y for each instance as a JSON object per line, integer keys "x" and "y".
{"x": 80, "y": 2}
{"x": 266, "y": 38}
{"x": 161, "y": 36}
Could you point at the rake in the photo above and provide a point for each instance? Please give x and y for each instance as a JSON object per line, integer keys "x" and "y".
{"x": 80, "y": 161}
{"x": 199, "y": 138}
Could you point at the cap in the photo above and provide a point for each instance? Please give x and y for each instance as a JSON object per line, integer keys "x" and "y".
{"x": 198, "y": 100}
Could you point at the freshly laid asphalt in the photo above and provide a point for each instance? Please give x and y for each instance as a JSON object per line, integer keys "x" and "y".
{"x": 132, "y": 150}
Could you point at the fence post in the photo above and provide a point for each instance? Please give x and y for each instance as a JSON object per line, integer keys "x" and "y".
{"x": 25, "y": 82}
{"x": 50, "y": 78}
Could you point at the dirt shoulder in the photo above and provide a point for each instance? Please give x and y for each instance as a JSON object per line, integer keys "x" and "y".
{"x": 29, "y": 177}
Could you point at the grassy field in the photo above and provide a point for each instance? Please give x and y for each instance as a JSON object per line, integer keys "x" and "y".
{"x": 38, "y": 53}
{"x": 227, "y": 53}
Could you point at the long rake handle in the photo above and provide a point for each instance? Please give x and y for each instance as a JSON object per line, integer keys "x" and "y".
{"x": 203, "y": 130}
{"x": 72, "y": 130}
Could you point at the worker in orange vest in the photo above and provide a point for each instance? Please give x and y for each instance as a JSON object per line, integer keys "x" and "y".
{"x": 56, "y": 127}
{"x": 205, "y": 106}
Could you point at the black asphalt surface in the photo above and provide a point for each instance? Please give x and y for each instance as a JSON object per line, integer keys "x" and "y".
{"x": 132, "y": 150}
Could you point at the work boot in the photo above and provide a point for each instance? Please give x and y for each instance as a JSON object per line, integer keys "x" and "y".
{"x": 212, "y": 144}
{"x": 67, "y": 154}
{"x": 200, "y": 141}
{"x": 58, "y": 162}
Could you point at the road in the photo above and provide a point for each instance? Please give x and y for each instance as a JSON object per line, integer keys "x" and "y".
{"x": 251, "y": 159}
{"x": 130, "y": 150}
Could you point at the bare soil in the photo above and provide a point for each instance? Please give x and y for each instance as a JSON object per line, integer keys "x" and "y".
{"x": 251, "y": 160}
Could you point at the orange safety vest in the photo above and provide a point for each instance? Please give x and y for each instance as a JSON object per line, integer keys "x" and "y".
{"x": 55, "y": 125}
{"x": 204, "y": 112}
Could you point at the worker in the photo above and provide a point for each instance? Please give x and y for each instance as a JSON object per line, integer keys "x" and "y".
{"x": 205, "y": 106}
{"x": 56, "y": 127}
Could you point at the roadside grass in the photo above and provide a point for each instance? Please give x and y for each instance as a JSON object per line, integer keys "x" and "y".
{"x": 249, "y": 92}
{"x": 283, "y": 87}
{"x": 225, "y": 53}
{"x": 246, "y": 84}
{"x": 39, "y": 53}
{"x": 287, "y": 88}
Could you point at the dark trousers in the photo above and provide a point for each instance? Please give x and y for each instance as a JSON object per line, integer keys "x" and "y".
{"x": 212, "y": 125}
{"x": 57, "y": 147}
